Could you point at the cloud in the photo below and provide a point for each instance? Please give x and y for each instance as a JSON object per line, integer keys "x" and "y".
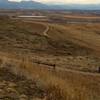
{"x": 67, "y": 1}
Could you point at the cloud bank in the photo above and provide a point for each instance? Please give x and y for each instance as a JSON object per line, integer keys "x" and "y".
{"x": 66, "y": 1}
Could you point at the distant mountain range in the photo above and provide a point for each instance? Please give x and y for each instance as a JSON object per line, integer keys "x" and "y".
{"x": 77, "y": 6}
{"x": 5, "y": 4}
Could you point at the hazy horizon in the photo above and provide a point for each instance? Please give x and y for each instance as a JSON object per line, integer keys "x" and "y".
{"x": 64, "y": 1}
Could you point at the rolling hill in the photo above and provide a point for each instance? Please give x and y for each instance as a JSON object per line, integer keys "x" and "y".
{"x": 27, "y": 57}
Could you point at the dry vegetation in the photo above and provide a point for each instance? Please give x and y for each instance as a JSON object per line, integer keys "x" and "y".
{"x": 27, "y": 58}
{"x": 82, "y": 17}
{"x": 53, "y": 85}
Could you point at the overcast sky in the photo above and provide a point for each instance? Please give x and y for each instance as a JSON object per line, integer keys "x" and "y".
{"x": 67, "y": 1}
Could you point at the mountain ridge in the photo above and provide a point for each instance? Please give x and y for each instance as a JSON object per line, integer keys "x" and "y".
{"x": 5, "y": 4}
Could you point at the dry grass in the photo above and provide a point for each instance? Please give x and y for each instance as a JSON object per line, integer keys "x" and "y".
{"x": 83, "y": 34}
{"x": 57, "y": 86}
{"x": 82, "y": 17}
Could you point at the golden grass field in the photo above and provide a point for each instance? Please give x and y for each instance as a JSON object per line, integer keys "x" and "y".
{"x": 82, "y": 17}
{"x": 29, "y": 56}
{"x": 57, "y": 85}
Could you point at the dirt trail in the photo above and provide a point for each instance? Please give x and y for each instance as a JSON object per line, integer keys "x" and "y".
{"x": 78, "y": 72}
{"x": 46, "y": 31}
{"x": 50, "y": 67}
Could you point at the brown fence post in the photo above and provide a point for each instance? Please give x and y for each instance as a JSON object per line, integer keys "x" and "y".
{"x": 54, "y": 66}
{"x": 99, "y": 70}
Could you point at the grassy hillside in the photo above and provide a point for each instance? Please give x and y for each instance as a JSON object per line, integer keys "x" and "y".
{"x": 70, "y": 45}
{"x": 25, "y": 36}
{"x": 28, "y": 57}
{"x": 24, "y": 79}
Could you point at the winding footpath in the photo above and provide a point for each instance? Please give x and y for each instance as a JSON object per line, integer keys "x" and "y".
{"x": 45, "y": 33}
{"x": 49, "y": 67}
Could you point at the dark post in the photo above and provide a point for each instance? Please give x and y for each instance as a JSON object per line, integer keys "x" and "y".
{"x": 54, "y": 67}
{"x": 99, "y": 70}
